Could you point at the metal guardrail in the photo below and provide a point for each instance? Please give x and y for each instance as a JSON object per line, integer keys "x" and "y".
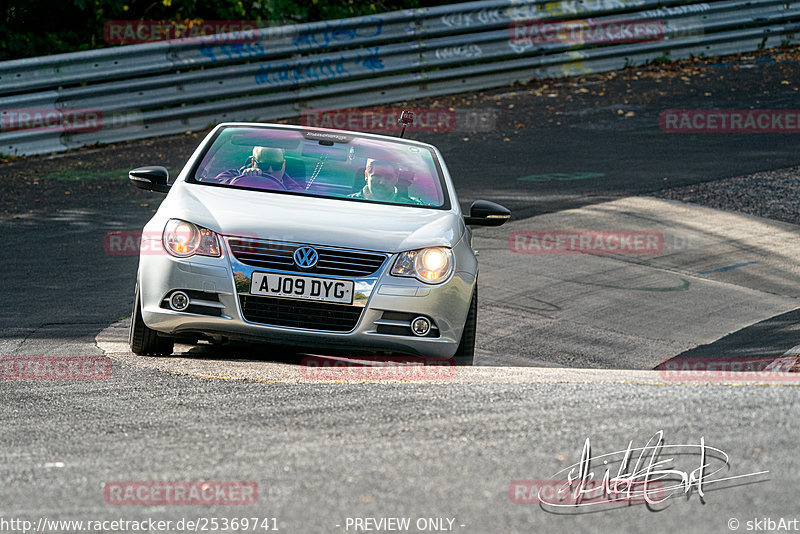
{"x": 168, "y": 87}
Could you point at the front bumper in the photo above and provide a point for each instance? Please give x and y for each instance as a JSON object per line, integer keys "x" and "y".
{"x": 383, "y": 300}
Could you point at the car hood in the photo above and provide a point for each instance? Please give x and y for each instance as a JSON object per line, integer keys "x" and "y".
{"x": 320, "y": 221}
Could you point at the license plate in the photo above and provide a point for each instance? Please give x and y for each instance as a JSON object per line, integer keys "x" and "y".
{"x": 302, "y": 287}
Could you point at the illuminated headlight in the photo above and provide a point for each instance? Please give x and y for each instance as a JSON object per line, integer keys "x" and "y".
{"x": 184, "y": 239}
{"x": 430, "y": 265}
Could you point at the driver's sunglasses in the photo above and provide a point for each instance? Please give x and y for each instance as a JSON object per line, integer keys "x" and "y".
{"x": 274, "y": 166}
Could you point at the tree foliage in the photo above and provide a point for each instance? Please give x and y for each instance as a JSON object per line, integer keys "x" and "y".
{"x": 42, "y": 27}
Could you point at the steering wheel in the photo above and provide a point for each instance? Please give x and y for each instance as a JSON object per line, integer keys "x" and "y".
{"x": 257, "y": 180}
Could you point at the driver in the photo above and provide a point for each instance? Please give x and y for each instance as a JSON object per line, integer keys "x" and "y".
{"x": 265, "y": 161}
{"x": 382, "y": 179}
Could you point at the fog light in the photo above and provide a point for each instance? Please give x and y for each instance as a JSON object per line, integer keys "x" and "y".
{"x": 420, "y": 326}
{"x": 179, "y": 301}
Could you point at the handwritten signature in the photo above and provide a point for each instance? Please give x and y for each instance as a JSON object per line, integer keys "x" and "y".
{"x": 642, "y": 475}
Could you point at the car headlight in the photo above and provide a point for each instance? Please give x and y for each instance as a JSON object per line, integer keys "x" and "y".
{"x": 431, "y": 265}
{"x": 183, "y": 239}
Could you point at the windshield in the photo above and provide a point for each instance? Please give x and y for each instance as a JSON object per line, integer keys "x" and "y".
{"x": 323, "y": 164}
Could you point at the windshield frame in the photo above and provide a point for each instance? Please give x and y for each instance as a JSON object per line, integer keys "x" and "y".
{"x": 446, "y": 204}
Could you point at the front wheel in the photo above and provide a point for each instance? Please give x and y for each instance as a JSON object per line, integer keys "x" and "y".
{"x": 465, "y": 353}
{"x": 144, "y": 340}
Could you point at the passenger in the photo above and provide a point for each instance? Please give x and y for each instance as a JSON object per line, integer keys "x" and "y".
{"x": 382, "y": 184}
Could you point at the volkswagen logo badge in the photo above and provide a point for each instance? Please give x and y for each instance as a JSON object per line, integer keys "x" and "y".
{"x": 305, "y": 257}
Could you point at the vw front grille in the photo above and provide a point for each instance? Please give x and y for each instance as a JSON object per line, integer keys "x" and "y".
{"x": 332, "y": 261}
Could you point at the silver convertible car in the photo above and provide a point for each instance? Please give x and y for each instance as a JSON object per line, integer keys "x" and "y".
{"x": 321, "y": 240}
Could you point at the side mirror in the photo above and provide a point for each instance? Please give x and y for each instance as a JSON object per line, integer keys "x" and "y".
{"x": 152, "y": 178}
{"x": 485, "y": 213}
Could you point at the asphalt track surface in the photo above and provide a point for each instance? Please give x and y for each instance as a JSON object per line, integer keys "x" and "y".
{"x": 324, "y": 452}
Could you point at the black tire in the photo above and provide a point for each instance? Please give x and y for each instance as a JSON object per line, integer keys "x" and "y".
{"x": 145, "y": 341}
{"x": 465, "y": 353}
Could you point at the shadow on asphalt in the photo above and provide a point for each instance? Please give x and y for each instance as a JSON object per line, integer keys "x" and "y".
{"x": 753, "y": 346}
{"x": 285, "y": 355}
